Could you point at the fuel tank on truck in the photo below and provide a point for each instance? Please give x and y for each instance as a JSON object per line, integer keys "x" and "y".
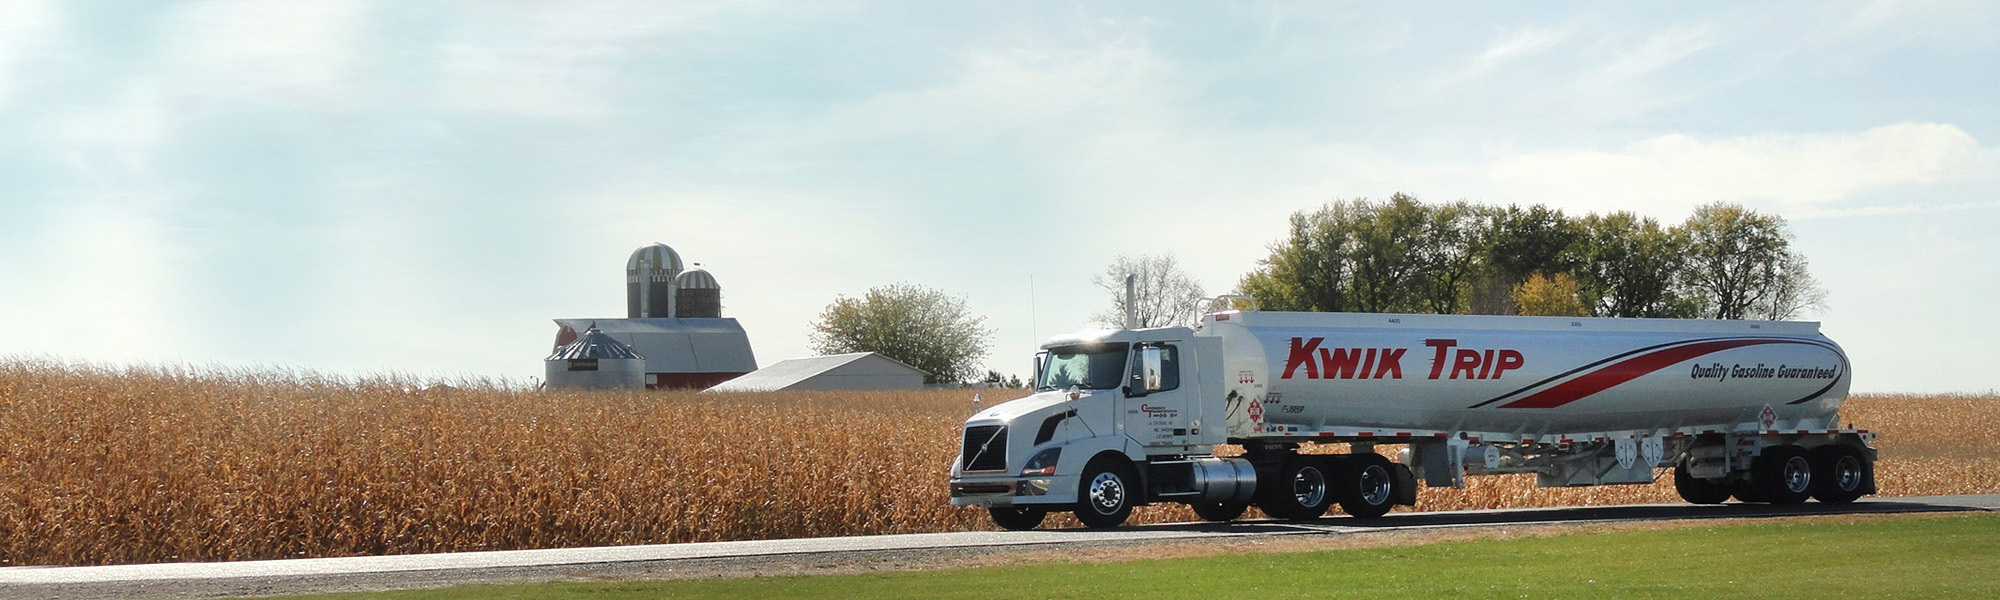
{"x": 1304, "y": 372}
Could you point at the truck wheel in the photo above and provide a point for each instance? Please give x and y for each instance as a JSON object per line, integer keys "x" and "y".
{"x": 1370, "y": 487}
{"x": 1697, "y": 490}
{"x": 1220, "y": 512}
{"x": 1840, "y": 474}
{"x": 1107, "y": 495}
{"x": 1017, "y": 518}
{"x": 1745, "y": 491}
{"x": 1783, "y": 474}
{"x": 1300, "y": 492}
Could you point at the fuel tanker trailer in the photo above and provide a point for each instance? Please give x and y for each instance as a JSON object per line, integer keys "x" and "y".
{"x": 1126, "y": 418}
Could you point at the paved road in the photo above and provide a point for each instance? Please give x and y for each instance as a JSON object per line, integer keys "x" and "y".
{"x": 247, "y": 578}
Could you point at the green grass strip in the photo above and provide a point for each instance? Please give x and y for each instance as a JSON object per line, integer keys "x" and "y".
{"x": 1940, "y": 557}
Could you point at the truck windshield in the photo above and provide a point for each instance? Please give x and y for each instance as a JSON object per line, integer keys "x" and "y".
{"x": 1093, "y": 367}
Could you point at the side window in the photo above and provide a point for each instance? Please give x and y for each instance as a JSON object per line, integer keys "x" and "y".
{"x": 1170, "y": 368}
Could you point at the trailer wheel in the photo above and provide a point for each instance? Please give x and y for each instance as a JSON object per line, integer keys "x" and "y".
{"x": 1783, "y": 474}
{"x": 1219, "y": 512}
{"x": 1697, "y": 490}
{"x": 1106, "y": 498}
{"x": 1020, "y": 518}
{"x": 1301, "y": 491}
{"x": 1745, "y": 491}
{"x": 1369, "y": 486}
{"x": 1840, "y": 474}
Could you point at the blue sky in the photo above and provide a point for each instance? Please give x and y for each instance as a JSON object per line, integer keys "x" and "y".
{"x": 360, "y": 187}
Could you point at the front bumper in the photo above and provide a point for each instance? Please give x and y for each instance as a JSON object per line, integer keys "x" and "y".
{"x": 1002, "y": 491}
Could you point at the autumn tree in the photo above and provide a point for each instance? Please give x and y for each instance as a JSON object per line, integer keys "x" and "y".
{"x": 922, "y": 327}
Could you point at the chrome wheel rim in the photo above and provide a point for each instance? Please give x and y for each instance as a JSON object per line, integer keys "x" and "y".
{"x": 1375, "y": 485}
{"x": 1107, "y": 493}
{"x": 1847, "y": 474}
{"x": 1309, "y": 487}
{"x": 1798, "y": 474}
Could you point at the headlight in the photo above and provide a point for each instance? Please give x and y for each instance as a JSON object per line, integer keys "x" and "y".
{"x": 1044, "y": 462}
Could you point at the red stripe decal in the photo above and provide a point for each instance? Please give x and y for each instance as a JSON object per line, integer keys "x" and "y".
{"x": 1627, "y": 370}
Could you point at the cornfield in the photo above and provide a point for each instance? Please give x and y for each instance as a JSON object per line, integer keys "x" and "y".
{"x": 101, "y": 466}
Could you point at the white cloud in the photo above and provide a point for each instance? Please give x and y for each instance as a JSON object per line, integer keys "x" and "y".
{"x": 1515, "y": 45}
{"x": 300, "y": 52}
{"x": 1667, "y": 47}
{"x": 27, "y": 32}
{"x": 558, "y": 59}
{"x": 1669, "y": 174}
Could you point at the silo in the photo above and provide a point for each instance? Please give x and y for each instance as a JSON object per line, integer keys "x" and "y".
{"x": 596, "y": 361}
{"x": 699, "y": 296}
{"x": 649, "y": 282}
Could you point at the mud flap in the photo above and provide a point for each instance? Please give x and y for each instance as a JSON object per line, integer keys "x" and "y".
{"x": 1406, "y": 485}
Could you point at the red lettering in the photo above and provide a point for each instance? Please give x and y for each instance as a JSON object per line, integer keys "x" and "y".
{"x": 1486, "y": 365}
{"x": 1467, "y": 363}
{"x": 1509, "y": 360}
{"x": 1368, "y": 365}
{"x": 1342, "y": 362}
{"x": 1302, "y": 355}
{"x": 1437, "y": 364}
{"x": 1392, "y": 363}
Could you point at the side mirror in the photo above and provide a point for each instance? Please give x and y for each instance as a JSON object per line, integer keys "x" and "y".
{"x": 1145, "y": 377}
{"x": 1150, "y": 359}
{"x": 1041, "y": 361}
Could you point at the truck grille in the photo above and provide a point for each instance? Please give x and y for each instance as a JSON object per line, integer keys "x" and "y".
{"x": 985, "y": 448}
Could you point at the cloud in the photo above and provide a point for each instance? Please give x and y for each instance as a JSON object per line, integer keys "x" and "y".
{"x": 1667, "y": 47}
{"x": 1671, "y": 173}
{"x": 557, "y": 59}
{"x": 299, "y": 52}
{"x": 27, "y": 32}
{"x": 1515, "y": 45}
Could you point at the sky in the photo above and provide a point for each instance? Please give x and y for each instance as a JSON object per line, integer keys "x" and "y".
{"x": 360, "y": 188}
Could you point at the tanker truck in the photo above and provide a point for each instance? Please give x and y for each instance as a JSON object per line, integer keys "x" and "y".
{"x": 1126, "y": 418}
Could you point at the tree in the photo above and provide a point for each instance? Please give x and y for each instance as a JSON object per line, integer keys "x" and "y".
{"x": 1385, "y": 263}
{"x": 1448, "y": 254}
{"x": 1629, "y": 267}
{"x": 1165, "y": 295}
{"x": 1309, "y": 270}
{"x": 922, "y": 327}
{"x": 1548, "y": 296}
{"x": 1522, "y": 242}
{"x": 1740, "y": 265}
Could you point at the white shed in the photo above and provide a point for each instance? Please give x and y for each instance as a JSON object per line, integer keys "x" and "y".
{"x": 856, "y": 371}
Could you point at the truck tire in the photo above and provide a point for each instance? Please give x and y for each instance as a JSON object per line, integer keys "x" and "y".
{"x": 1302, "y": 490}
{"x": 1368, "y": 486}
{"x": 1014, "y": 518}
{"x": 1696, "y": 490}
{"x": 1783, "y": 475}
{"x": 1840, "y": 474}
{"x": 1219, "y": 512}
{"x": 1105, "y": 497}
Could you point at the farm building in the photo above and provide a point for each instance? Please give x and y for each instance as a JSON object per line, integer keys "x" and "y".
{"x": 857, "y": 371}
{"x": 595, "y": 361}
{"x": 674, "y": 320}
